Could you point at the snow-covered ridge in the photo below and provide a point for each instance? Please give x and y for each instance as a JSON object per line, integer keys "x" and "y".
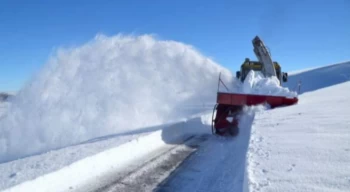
{"x": 317, "y": 78}
{"x": 295, "y": 72}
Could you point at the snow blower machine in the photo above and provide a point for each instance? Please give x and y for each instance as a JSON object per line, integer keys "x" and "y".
{"x": 229, "y": 105}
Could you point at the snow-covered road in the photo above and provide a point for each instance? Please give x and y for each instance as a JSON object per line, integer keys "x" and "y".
{"x": 145, "y": 175}
{"x": 202, "y": 163}
{"x": 159, "y": 160}
{"x": 218, "y": 165}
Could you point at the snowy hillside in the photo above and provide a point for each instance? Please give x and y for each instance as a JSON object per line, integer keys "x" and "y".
{"x": 321, "y": 77}
{"x": 127, "y": 113}
{"x": 303, "y": 147}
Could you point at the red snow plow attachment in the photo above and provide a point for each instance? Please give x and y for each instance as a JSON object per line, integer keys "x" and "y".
{"x": 250, "y": 99}
{"x": 229, "y": 106}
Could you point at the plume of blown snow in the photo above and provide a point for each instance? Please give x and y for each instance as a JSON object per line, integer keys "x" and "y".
{"x": 256, "y": 83}
{"x": 109, "y": 85}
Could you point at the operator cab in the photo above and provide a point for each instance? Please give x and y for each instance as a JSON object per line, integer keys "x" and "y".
{"x": 257, "y": 66}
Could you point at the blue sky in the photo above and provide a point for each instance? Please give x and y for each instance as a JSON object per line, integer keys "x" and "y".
{"x": 300, "y": 33}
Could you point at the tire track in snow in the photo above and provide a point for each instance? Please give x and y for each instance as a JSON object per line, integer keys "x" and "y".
{"x": 218, "y": 165}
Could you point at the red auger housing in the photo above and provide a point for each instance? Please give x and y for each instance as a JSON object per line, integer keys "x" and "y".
{"x": 229, "y": 106}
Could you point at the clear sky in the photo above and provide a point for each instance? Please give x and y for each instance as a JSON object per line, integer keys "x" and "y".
{"x": 299, "y": 33}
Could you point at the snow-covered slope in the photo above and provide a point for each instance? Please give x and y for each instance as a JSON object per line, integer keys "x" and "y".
{"x": 321, "y": 77}
{"x": 121, "y": 98}
{"x": 305, "y": 147}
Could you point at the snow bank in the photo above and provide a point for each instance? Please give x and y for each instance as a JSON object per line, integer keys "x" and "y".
{"x": 93, "y": 167}
{"x": 304, "y": 147}
{"x": 106, "y": 86}
{"x": 43, "y": 173}
{"x": 256, "y": 83}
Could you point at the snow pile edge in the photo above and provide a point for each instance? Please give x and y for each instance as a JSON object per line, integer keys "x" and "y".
{"x": 85, "y": 170}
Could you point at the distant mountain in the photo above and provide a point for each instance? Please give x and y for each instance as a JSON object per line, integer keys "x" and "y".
{"x": 5, "y": 96}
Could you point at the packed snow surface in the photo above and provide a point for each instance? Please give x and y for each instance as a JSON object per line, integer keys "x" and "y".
{"x": 107, "y": 86}
{"x": 304, "y": 147}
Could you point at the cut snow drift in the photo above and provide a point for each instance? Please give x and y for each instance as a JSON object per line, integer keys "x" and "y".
{"x": 109, "y": 85}
{"x": 256, "y": 83}
{"x": 304, "y": 147}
